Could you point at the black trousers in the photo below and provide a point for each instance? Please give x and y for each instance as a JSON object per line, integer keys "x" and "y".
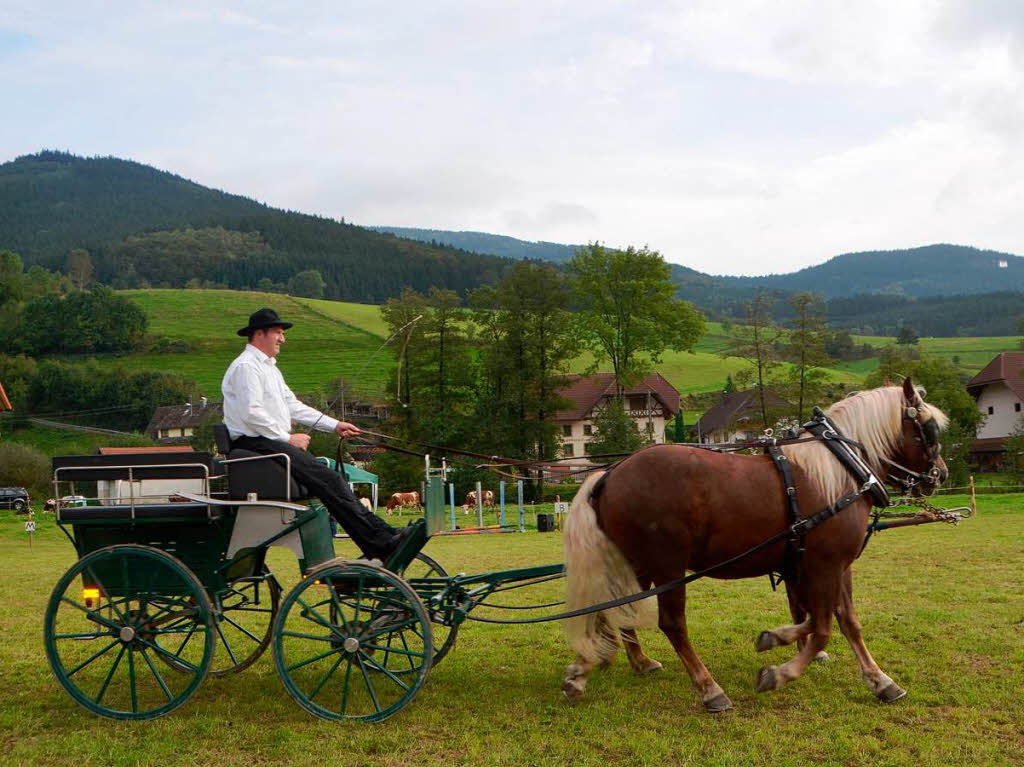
{"x": 371, "y": 533}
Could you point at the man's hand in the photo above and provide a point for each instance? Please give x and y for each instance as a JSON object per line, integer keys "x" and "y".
{"x": 346, "y": 429}
{"x": 301, "y": 441}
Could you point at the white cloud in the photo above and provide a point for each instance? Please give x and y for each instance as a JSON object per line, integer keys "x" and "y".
{"x": 743, "y": 137}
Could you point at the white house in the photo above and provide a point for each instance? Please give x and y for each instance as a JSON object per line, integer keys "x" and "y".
{"x": 999, "y": 391}
{"x": 652, "y": 403}
{"x": 177, "y": 424}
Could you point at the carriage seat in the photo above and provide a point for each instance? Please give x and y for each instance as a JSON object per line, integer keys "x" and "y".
{"x": 267, "y": 475}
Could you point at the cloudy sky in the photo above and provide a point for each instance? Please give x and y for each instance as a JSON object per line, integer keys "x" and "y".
{"x": 735, "y": 136}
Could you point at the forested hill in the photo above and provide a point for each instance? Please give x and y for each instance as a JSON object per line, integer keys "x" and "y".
{"x": 482, "y": 242}
{"x": 143, "y": 226}
{"x": 932, "y": 270}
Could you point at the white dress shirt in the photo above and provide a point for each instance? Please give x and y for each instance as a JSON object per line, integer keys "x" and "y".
{"x": 258, "y": 403}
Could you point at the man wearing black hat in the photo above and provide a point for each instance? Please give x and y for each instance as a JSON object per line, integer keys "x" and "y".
{"x": 259, "y": 409}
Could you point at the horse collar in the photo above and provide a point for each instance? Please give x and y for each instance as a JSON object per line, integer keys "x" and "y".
{"x": 823, "y": 429}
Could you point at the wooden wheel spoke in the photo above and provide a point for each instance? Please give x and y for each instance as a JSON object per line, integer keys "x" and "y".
{"x": 110, "y": 675}
{"x": 310, "y": 614}
{"x": 241, "y": 628}
{"x": 345, "y": 689}
{"x": 91, "y": 614}
{"x": 323, "y": 680}
{"x": 227, "y": 645}
{"x": 131, "y": 681}
{"x": 159, "y": 679}
{"x": 84, "y": 635}
{"x": 176, "y": 659}
{"x": 395, "y": 650}
{"x": 91, "y": 658}
{"x": 300, "y": 635}
{"x": 314, "y": 658}
{"x": 378, "y": 667}
{"x": 369, "y": 684}
{"x": 185, "y": 641}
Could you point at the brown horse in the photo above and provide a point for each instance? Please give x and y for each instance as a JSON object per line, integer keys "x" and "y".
{"x": 670, "y": 509}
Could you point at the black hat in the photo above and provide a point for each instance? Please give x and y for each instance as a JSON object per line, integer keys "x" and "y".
{"x": 264, "y": 318}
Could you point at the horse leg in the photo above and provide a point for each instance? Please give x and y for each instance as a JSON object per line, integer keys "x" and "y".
{"x": 578, "y": 672}
{"x": 823, "y": 602}
{"x": 797, "y": 631}
{"x": 637, "y": 658}
{"x": 672, "y": 622}
{"x": 877, "y": 680}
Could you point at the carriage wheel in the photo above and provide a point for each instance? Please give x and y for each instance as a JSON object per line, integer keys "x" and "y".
{"x": 244, "y": 621}
{"x": 424, "y": 566}
{"x": 352, "y": 641}
{"x": 113, "y": 616}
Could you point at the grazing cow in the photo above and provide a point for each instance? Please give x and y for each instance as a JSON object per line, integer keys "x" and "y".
{"x": 403, "y": 501}
{"x": 50, "y": 505}
{"x": 488, "y": 499}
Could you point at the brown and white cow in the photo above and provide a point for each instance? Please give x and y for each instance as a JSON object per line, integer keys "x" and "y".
{"x": 487, "y": 499}
{"x": 410, "y": 500}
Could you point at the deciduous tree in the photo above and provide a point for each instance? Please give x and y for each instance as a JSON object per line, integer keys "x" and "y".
{"x": 754, "y": 341}
{"x": 629, "y": 314}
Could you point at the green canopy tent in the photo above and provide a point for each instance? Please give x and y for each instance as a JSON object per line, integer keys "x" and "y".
{"x": 356, "y": 476}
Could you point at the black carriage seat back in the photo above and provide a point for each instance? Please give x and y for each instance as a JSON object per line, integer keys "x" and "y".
{"x": 267, "y": 476}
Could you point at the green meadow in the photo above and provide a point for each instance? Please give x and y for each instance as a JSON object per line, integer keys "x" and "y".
{"x": 942, "y": 608}
{"x": 333, "y": 338}
{"x": 318, "y": 349}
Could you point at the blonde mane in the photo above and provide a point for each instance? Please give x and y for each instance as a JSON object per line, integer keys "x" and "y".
{"x": 874, "y": 419}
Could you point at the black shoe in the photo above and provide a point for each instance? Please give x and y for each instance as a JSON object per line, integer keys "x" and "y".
{"x": 397, "y": 540}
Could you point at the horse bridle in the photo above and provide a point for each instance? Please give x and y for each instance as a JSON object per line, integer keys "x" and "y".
{"x": 928, "y": 437}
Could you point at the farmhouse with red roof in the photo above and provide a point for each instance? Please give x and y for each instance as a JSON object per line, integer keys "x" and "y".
{"x": 652, "y": 403}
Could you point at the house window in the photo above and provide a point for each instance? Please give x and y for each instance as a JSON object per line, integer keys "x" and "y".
{"x": 588, "y": 430}
{"x": 991, "y": 410}
{"x": 567, "y": 430}
{"x": 567, "y": 449}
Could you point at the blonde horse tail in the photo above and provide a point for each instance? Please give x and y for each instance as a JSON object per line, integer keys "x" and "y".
{"x": 595, "y": 572}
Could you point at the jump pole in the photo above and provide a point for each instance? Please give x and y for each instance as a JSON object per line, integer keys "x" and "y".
{"x": 451, "y": 501}
{"x": 479, "y": 506}
{"x": 522, "y": 511}
{"x": 501, "y": 502}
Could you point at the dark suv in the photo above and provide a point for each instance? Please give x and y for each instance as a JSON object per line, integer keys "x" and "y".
{"x": 14, "y": 498}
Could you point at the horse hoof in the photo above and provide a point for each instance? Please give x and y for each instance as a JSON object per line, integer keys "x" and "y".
{"x": 766, "y": 641}
{"x": 891, "y": 694}
{"x": 822, "y": 657}
{"x": 767, "y": 679}
{"x": 651, "y": 667}
{"x": 573, "y": 691}
{"x": 718, "y": 704}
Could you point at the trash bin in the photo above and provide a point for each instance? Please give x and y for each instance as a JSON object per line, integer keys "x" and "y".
{"x": 545, "y": 523}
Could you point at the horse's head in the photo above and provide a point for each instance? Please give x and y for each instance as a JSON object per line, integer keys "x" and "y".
{"x": 918, "y": 464}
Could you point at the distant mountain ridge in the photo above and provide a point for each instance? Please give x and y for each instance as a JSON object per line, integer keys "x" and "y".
{"x": 930, "y": 270}
{"x": 482, "y": 242}
{"x": 128, "y": 215}
{"x": 143, "y": 226}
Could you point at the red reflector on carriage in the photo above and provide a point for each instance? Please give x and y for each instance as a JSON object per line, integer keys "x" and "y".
{"x": 91, "y": 597}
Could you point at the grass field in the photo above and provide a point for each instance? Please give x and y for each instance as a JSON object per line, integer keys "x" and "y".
{"x": 943, "y": 610}
{"x": 318, "y": 349}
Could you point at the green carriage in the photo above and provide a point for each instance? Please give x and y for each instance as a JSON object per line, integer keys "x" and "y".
{"x": 165, "y": 593}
